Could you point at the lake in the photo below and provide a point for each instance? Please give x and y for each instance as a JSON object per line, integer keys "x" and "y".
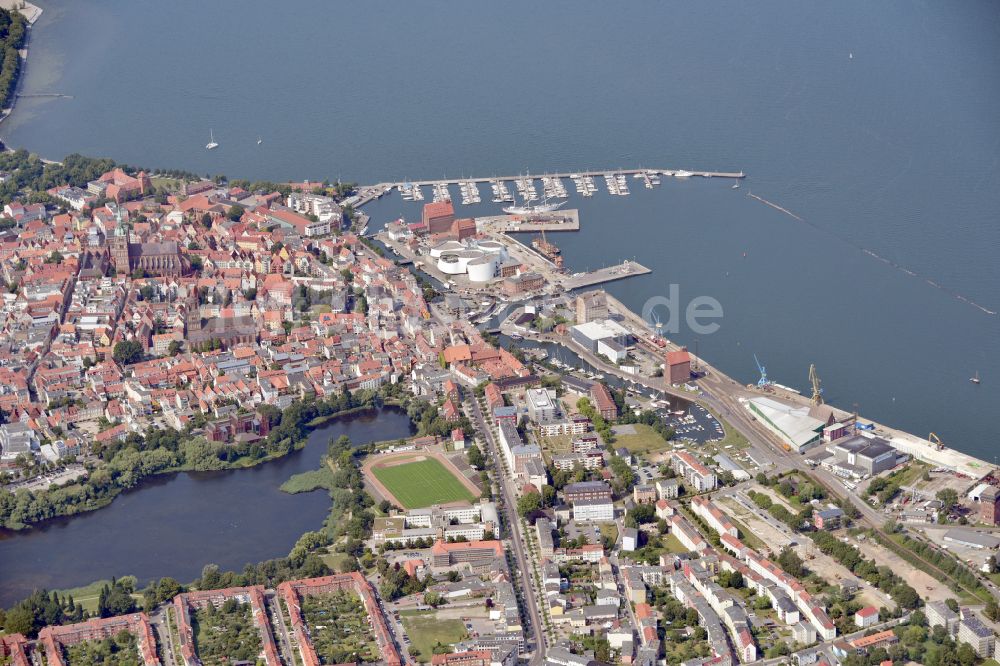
{"x": 175, "y": 524}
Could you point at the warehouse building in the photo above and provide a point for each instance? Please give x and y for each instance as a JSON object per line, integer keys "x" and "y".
{"x": 794, "y": 425}
{"x": 590, "y": 334}
{"x": 862, "y": 456}
{"x": 592, "y": 306}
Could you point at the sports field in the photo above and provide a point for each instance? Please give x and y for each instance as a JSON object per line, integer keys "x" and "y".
{"x": 421, "y": 483}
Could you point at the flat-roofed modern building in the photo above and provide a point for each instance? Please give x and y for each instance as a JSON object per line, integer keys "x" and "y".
{"x": 971, "y": 630}
{"x": 863, "y": 456}
{"x": 593, "y": 511}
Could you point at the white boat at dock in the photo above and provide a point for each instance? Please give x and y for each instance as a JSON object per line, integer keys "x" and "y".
{"x": 622, "y": 184}
{"x": 441, "y": 192}
{"x": 526, "y": 188}
{"x": 611, "y": 183}
{"x": 470, "y": 192}
{"x": 526, "y": 209}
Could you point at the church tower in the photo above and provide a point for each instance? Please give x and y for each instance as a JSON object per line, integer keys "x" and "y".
{"x": 120, "y": 247}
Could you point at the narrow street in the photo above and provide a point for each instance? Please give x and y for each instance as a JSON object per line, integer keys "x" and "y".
{"x": 278, "y": 621}
{"x": 164, "y": 636}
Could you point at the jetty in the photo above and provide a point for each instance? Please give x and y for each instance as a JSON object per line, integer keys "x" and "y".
{"x": 525, "y": 182}
{"x": 626, "y": 269}
{"x": 44, "y": 94}
{"x": 569, "y": 174}
{"x": 560, "y": 220}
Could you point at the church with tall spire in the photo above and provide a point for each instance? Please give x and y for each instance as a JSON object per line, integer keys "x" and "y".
{"x": 154, "y": 259}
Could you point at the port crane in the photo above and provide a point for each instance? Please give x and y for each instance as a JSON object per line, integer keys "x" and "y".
{"x": 936, "y": 441}
{"x": 817, "y": 395}
{"x": 658, "y": 325}
{"x": 763, "y": 382}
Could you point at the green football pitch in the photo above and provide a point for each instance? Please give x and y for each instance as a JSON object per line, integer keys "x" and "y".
{"x": 422, "y": 483}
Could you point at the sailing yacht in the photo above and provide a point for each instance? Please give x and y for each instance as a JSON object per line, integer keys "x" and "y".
{"x": 526, "y": 209}
{"x": 259, "y": 140}
{"x": 975, "y": 379}
{"x": 211, "y": 145}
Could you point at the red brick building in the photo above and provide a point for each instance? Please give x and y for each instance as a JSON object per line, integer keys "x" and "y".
{"x": 522, "y": 284}
{"x": 678, "y": 366}
{"x": 438, "y": 217}
{"x": 467, "y": 658}
{"x": 54, "y": 638}
{"x": 989, "y": 506}
{"x": 13, "y": 647}
{"x": 120, "y": 186}
{"x": 448, "y": 554}
{"x": 463, "y": 228}
{"x": 294, "y": 591}
{"x": 603, "y": 402}
{"x": 242, "y": 427}
{"x": 183, "y": 603}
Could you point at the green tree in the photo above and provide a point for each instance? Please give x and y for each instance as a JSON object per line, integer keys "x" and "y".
{"x": 19, "y": 620}
{"x": 529, "y": 503}
{"x": 476, "y": 458}
{"x": 790, "y": 561}
{"x": 433, "y": 599}
{"x": 623, "y": 472}
{"x": 948, "y": 496}
{"x": 905, "y": 596}
{"x": 128, "y": 352}
{"x": 640, "y": 514}
{"x": 991, "y": 610}
{"x": 966, "y": 655}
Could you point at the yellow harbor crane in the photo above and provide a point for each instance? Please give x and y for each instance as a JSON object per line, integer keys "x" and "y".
{"x": 817, "y": 396}
{"x": 935, "y": 441}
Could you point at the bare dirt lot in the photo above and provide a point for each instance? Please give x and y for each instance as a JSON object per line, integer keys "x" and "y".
{"x": 926, "y": 585}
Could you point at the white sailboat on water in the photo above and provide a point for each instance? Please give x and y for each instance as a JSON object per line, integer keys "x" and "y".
{"x": 259, "y": 140}
{"x": 211, "y": 145}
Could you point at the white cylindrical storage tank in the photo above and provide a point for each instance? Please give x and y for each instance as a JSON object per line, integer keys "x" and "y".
{"x": 465, "y": 256}
{"x": 445, "y": 247}
{"x": 482, "y": 269}
{"x": 449, "y": 264}
{"x": 494, "y": 247}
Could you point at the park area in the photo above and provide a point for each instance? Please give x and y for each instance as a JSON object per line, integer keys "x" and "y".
{"x": 638, "y": 438}
{"x": 413, "y": 481}
{"x": 226, "y": 634}
{"x": 338, "y": 628}
{"x": 427, "y": 632}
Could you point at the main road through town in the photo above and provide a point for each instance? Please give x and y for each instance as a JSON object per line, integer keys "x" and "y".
{"x": 509, "y": 502}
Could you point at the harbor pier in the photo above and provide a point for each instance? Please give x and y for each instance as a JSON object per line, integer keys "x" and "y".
{"x": 626, "y": 269}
